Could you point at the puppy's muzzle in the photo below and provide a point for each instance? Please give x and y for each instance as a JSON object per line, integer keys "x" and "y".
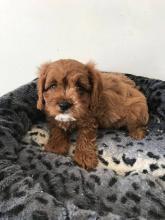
{"x": 64, "y": 105}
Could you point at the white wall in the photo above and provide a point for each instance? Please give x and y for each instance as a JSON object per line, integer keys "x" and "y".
{"x": 120, "y": 35}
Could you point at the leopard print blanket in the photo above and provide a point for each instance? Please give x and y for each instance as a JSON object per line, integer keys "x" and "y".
{"x": 129, "y": 182}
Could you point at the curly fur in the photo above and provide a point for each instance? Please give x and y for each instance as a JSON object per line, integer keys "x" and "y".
{"x": 96, "y": 100}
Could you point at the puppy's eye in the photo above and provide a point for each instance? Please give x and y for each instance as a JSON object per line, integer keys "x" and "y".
{"x": 80, "y": 88}
{"x": 52, "y": 87}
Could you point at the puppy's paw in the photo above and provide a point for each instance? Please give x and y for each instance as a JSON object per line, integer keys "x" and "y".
{"x": 86, "y": 159}
{"x": 56, "y": 149}
{"x": 138, "y": 133}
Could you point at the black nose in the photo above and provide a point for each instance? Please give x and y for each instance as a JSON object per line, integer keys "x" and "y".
{"x": 65, "y": 105}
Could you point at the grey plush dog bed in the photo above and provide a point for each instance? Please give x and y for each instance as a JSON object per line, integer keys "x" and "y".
{"x": 127, "y": 184}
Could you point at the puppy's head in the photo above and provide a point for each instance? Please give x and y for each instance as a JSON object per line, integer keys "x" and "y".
{"x": 68, "y": 89}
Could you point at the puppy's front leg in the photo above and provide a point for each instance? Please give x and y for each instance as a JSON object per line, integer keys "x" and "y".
{"x": 58, "y": 141}
{"x": 86, "y": 149}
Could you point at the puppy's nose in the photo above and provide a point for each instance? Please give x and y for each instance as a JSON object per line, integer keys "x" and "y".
{"x": 64, "y": 105}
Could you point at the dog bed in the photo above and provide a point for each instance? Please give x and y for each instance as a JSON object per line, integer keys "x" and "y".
{"x": 129, "y": 182}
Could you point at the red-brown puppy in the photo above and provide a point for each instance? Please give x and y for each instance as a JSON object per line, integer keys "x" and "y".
{"x": 75, "y": 95}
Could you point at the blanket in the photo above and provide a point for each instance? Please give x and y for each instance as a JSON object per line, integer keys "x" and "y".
{"x": 127, "y": 184}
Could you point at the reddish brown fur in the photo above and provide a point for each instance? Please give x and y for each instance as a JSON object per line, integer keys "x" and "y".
{"x": 98, "y": 100}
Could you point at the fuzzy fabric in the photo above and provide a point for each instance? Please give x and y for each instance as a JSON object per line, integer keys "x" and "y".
{"x": 127, "y": 184}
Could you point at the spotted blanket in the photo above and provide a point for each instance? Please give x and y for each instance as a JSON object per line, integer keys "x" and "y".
{"x": 127, "y": 184}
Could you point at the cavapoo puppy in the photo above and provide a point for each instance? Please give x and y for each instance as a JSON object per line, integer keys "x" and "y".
{"x": 74, "y": 95}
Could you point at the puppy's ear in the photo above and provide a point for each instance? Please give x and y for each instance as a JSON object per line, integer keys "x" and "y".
{"x": 96, "y": 83}
{"x": 40, "y": 85}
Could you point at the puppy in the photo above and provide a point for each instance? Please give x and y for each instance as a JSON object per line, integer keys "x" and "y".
{"x": 77, "y": 96}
